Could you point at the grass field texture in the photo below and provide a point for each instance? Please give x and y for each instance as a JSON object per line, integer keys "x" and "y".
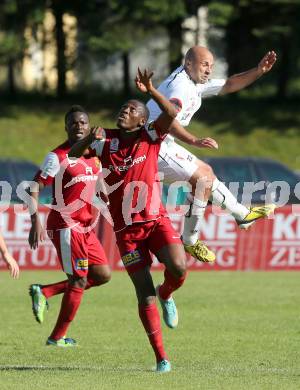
{"x": 236, "y": 331}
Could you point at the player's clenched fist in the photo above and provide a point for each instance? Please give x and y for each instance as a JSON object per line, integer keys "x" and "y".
{"x": 96, "y": 133}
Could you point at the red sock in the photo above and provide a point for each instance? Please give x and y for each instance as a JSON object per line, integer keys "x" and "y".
{"x": 149, "y": 316}
{"x": 53, "y": 289}
{"x": 170, "y": 284}
{"x": 50, "y": 290}
{"x": 69, "y": 306}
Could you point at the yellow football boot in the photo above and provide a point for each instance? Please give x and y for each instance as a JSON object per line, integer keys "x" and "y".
{"x": 256, "y": 213}
{"x": 200, "y": 252}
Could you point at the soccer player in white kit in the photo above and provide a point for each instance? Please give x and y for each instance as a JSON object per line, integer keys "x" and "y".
{"x": 186, "y": 87}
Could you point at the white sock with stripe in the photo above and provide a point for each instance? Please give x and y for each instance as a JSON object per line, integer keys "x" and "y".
{"x": 193, "y": 220}
{"x": 221, "y": 196}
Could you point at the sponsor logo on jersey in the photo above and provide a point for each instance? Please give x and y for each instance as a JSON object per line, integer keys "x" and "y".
{"x": 72, "y": 161}
{"x": 128, "y": 163}
{"x": 185, "y": 116}
{"x": 114, "y": 145}
{"x": 97, "y": 162}
{"x": 81, "y": 264}
{"x": 179, "y": 157}
{"x": 81, "y": 179}
{"x": 131, "y": 257}
{"x": 89, "y": 170}
{"x": 177, "y": 104}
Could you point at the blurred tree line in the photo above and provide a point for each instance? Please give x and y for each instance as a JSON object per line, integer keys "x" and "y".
{"x": 106, "y": 27}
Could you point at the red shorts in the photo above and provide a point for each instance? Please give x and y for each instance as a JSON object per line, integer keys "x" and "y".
{"x": 138, "y": 240}
{"x": 77, "y": 251}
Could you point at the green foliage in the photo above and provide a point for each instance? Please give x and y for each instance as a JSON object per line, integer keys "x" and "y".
{"x": 10, "y": 46}
{"x": 123, "y": 25}
{"x": 15, "y": 16}
{"x": 220, "y": 13}
{"x": 162, "y": 11}
{"x": 117, "y": 38}
{"x": 257, "y": 26}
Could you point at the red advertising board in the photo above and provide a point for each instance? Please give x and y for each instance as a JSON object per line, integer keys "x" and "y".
{"x": 270, "y": 244}
{"x": 15, "y": 224}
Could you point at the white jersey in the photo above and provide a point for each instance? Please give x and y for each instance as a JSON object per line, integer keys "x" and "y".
{"x": 174, "y": 161}
{"x": 185, "y": 94}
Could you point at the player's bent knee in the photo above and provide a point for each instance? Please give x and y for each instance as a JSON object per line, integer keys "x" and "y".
{"x": 179, "y": 269}
{"x": 102, "y": 277}
{"x": 79, "y": 282}
{"x": 106, "y": 277}
{"x": 205, "y": 170}
{"x": 146, "y": 300}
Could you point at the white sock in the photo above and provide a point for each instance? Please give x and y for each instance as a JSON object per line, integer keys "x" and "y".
{"x": 222, "y": 197}
{"x": 193, "y": 220}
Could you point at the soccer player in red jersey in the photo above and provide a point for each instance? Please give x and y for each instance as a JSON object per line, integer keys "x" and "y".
{"x": 69, "y": 227}
{"x": 129, "y": 155}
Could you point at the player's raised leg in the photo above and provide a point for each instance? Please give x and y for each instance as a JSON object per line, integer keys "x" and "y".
{"x": 178, "y": 164}
{"x": 244, "y": 216}
{"x": 201, "y": 182}
{"x": 39, "y": 301}
{"x": 40, "y": 294}
{"x": 84, "y": 261}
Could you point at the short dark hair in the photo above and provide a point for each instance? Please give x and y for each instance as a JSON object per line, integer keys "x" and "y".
{"x": 75, "y": 108}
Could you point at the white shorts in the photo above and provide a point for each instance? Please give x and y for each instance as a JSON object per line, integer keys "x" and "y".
{"x": 177, "y": 163}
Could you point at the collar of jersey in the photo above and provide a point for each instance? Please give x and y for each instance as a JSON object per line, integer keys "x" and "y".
{"x": 182, "y": 67}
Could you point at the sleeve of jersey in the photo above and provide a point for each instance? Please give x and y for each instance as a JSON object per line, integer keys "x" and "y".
{"x": 97, "y": 146}
{"x": 49, "y": 169}
{"x": 154, "y": 131}
{"x": 213, "y": 87}
{"x": 177, "y": 103}
{"x": 176, "y": 93}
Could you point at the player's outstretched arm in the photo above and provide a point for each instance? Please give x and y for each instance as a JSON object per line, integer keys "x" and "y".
{"x": 239, "y": 81}
{"x": 11, "y": 263}
{"x": 183, "y": 135}
{"x": 79, "y": 148}
{"x": 169, "y": 112}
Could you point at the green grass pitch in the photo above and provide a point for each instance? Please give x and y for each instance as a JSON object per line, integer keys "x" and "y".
{"x": 236, "y": 331}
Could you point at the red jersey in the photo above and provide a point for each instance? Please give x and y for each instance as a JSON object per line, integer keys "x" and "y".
{"x": 134, "y": 187}
{"x": 73, "y": 187}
